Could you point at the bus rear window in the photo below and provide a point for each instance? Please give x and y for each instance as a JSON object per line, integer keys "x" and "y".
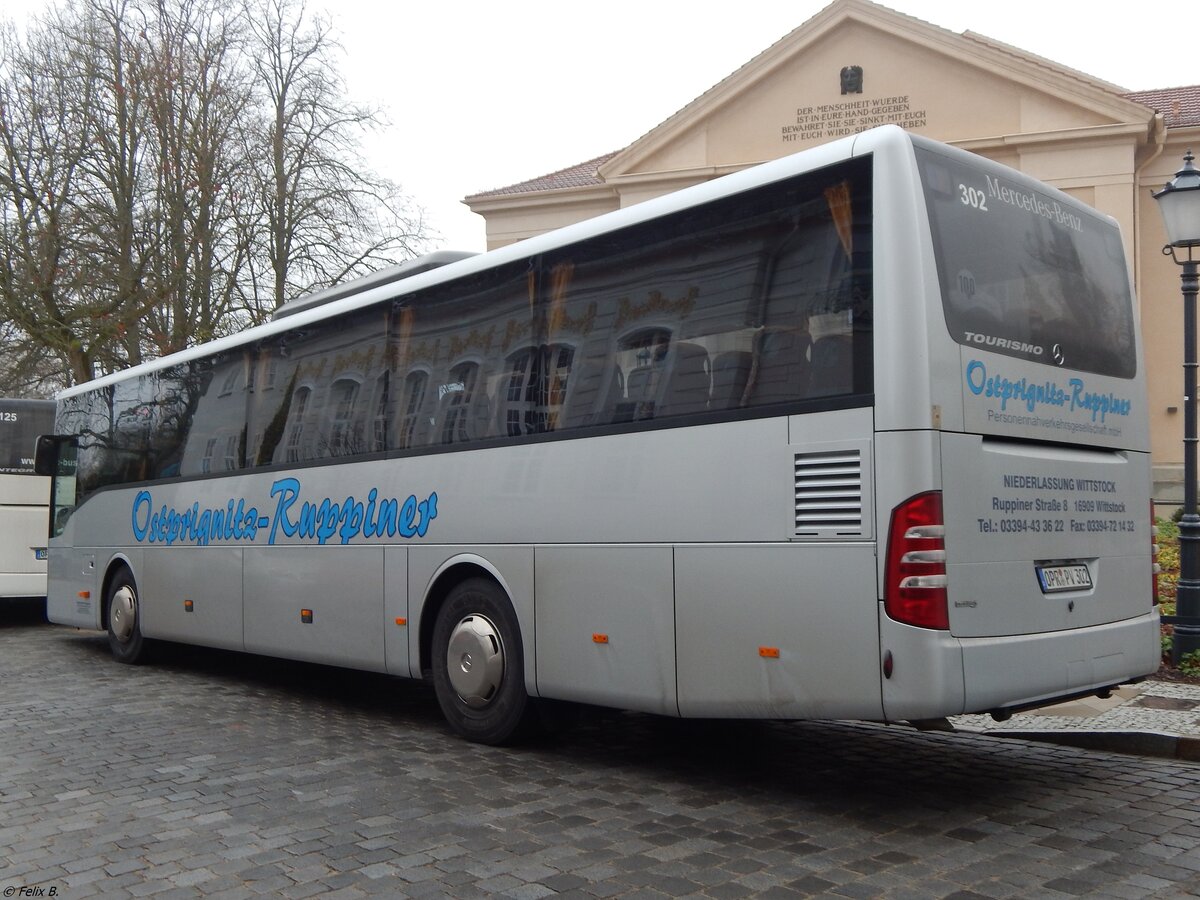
{"x": 1025, "y": 272}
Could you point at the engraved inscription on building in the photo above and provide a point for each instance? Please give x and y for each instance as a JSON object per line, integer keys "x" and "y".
{"x": 833, "y": 120}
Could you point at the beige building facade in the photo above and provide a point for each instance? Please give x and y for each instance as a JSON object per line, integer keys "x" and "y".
{"x": 856, "y": 65}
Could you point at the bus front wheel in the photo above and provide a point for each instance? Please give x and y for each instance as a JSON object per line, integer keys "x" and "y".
{"x": 478, "y": 664}
{"x": 124, "y": 619}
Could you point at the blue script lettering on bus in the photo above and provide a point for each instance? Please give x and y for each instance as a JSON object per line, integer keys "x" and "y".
{"x": 1031, "y": 395}
{"x": 293, "y": 517}
{"x": 350, "y": 518}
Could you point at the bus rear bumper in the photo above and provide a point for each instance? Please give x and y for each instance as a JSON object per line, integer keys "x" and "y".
{"x": 1037, "y": 670}
{"x": 934, "y": 674}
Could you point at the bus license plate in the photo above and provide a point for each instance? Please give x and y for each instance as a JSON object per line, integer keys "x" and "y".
{"x": 39, "y": 552}
{"x": 1064, "y": 578}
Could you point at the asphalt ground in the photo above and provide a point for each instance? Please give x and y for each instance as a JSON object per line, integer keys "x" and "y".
{"x": 224, "y": 775}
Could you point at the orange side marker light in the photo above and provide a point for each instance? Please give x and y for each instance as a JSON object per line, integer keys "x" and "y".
{"x": 598, "y": 638}
{"x": 768, "y": 652}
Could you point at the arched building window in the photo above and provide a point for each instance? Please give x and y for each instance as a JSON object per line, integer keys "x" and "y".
{"x": 345, "y": 428}
{"x": 294, "y": 445}
{"x": 536, "y": 388}
{"x": 409, "y": 434}
{"x": 456, "y": 403}
{"x": 379, "y": 420}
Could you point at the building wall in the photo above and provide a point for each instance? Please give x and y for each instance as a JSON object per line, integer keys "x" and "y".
{"x": 1063, "y": 127}
{"x": 1161, "y": 307}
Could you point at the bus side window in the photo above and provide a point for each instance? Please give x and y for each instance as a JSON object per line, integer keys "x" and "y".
{"x": 595, "y": 386}
{"x": 462, "y": 406}
{"x": 642, "y": 358}
{"x": 782, "y": 372}
{"x": 690, "y": 381}
{"x": 832, "y": 370}
{"x": 730, "y": 375}
{"x": 816, "y": 342}
{"x": 295, "y": 444}
{"x": 413, "y": 429}
{"x": 344, "y": 412}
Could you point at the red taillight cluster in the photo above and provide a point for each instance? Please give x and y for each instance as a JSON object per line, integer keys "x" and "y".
{"x": 915, "y": 591}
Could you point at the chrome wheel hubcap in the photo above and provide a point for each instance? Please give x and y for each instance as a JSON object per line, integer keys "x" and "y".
{"x": 122, "y": 614}
{"x": 475, "y": 660}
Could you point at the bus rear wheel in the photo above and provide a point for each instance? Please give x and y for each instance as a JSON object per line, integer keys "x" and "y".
{"x": 478, "y": 664}
{"x": 124, "y": 619}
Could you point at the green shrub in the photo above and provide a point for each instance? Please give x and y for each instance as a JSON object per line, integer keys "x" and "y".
{"x": 1189, "y": 664}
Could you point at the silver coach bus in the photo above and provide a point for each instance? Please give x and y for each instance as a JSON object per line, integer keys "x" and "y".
{"x": 859, "y": 433}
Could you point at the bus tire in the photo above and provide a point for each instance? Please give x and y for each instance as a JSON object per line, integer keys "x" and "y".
{"x": 124, "y": 619}
{"x": 478, "y": 664}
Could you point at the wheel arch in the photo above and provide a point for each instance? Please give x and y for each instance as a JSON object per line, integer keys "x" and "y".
{"x": 448, "y": 575}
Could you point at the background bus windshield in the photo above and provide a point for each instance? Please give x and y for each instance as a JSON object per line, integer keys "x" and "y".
{"x": 21, "y": 421}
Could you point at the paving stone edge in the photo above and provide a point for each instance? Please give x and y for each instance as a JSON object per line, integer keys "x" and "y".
{"x": 1137, "y": 743}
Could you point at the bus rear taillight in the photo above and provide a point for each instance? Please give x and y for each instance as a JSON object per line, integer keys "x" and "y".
{"x": 915, "y": 590}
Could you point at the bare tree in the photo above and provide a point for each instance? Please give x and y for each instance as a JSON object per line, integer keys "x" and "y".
{"x": 108, "y": 53}
{"x": 27, "y": 369}
{"x": 325, "y": 216}
{"x": 198, "y": 95}
{"x": 73, "y": 196}
{"x": 172, "y": 170}
{"x": 43, "y": 145}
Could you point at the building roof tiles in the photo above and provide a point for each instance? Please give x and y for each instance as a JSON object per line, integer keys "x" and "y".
{"x": 1180, "y": 106}
{"x": 579, "y": 175}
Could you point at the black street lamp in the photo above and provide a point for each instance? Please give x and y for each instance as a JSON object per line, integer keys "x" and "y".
{"x": 1179, "y": 203}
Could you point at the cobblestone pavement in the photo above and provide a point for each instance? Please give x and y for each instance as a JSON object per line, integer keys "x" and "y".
{"x": 214, "y": 774}
{"x": 1151, "y": 718}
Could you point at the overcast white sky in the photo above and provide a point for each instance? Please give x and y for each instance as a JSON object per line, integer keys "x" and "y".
{"x": 485, "y": 94}
{"x": 482, "y": 94}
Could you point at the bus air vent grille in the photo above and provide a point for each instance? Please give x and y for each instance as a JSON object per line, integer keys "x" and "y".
{"x": 829, "y": 494}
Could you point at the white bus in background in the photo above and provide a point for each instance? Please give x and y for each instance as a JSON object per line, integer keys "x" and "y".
{"x": 858, "y": 433}
{"x": 23, "y": 498}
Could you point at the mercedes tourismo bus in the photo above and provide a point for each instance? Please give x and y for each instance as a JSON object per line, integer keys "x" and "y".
{"x": 859, "y": 433}
{"x": 23, "y": 498}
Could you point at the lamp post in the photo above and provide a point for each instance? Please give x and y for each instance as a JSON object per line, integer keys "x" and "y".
{"x": 1179, "y": 203}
